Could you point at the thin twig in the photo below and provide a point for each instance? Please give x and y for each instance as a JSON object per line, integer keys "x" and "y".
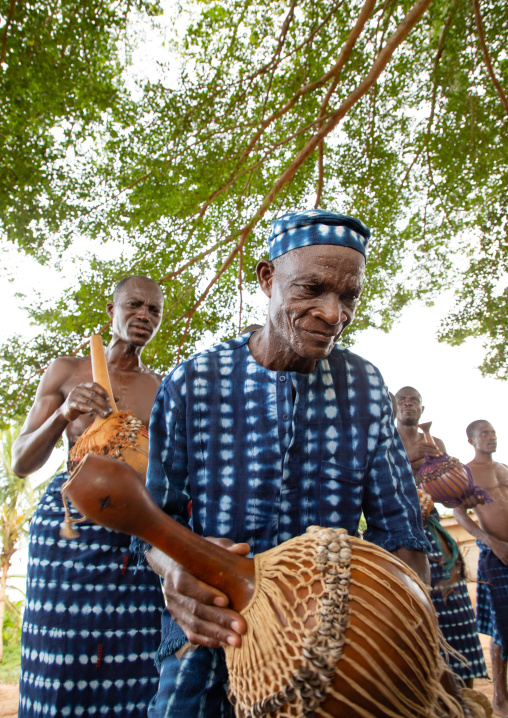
{"x": 183, "y": 337}
{"x": 192, "y": 261}
{"x": 486, "y": 57}
{"x": 321, "y": 164}
{"x": 3, "y": 52}
{"x": 240, "y": 289}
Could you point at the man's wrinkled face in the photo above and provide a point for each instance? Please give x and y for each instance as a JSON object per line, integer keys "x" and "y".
{"x": 313, "y": 295}
{"x": 409, "y": 406}
{"x": 484, "y": 438}
{"x": 137, "y": 312}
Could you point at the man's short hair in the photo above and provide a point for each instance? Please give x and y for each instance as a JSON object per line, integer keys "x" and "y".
{"x": 121, "y": 284}
{"x": 405, "y": 388}
{"x": 470, "y": 430}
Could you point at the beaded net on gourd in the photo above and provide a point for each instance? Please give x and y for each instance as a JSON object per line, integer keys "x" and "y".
{"x": 114, "y": 436}
{"x": 121, "y": 436}
{"x": 333, "y": 631}
{"x": 448, "y": 481}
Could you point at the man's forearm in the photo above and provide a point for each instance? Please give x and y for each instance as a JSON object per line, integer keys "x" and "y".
{"x": 462, "y": 518}
{"x": 417, "y": 560}
{"x": 31, "y": 451}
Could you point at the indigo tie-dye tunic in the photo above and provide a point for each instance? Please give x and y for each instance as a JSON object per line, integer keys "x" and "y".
{"x": 264, "y": 454}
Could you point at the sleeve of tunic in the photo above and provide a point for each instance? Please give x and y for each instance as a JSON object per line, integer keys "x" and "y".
{"x": 167, "y": 474}
{"x": 390, "y": 505}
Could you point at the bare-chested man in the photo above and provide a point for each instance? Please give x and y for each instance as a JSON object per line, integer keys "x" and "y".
{"x": 449, "y": 589}
{"x": 92, "y": 618}
{"x": 492, "y": 538}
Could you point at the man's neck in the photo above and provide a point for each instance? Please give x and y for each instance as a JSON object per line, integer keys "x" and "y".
{"x": 483, "y": 457}
{"x": 272, "y": 354}
{"x": 123, "y": 356}
{"x": 408, "y": 434}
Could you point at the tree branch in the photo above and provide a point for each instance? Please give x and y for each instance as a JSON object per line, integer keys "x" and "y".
{"x": 319, "y": 191}
{"x": 192, "y": 261}
{"x": 377, "y": 68}
{"x": 183, "y": 337}
{"x": 430, "y": 122}
{"x": 240, "y": 290}
{"x": 339, "y": 65}
{"x": 3, "y": 51}
{"x": 384, "y": 56}
{"x": 486, "y": 57}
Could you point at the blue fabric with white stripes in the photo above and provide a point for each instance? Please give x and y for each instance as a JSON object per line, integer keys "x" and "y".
{"x": 261, "y": 467}
{"x": 456, "y": 616}
{"x": 92, "y": 621}
{"x": 492, "y": 597}
{"x": 316, "y": 226}
{"x": 193, "y": 687}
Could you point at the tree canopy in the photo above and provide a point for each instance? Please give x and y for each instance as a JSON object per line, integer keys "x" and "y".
{"x": 395, "y": 112}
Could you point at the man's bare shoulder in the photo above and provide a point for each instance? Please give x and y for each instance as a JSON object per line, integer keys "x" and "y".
{"x": 69, "y": 362}
{"x": 66, "y": 369}
{"x": 439, "y": 443}
{"x": 68, "y": 365}
{"x": 152, "y": 374}
{"x": 494, "y": 464}
{"x": 489, "y": 473}
{"x": 501, "y": 469}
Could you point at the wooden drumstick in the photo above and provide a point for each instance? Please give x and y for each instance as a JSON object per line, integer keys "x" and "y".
{"x": 100, "y": 371}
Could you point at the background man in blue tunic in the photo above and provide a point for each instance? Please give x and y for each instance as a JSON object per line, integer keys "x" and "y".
{"x": 268, "y": 434}
{"x": 92, "y": 617}
{"x": 449, "y": 591}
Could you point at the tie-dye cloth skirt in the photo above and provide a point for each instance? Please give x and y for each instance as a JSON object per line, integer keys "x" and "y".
{"x": 92, "y": 620}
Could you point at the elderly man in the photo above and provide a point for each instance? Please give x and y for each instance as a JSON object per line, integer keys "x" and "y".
{"x": 492, "y": 538}
{"x": 268, "y": 434}
{"x": 92, "y": 619}
{"x": 449, "y": 591}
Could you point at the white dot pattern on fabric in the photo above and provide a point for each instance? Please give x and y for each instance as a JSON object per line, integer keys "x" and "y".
{"x": 296, "y": 450}
{"x": 264, "y": 478}
{"x": 91, "y": 621}
{"x": 301, "y": 229}
{"x": 455, "y": 613}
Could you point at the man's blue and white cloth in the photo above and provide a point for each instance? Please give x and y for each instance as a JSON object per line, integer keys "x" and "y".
{"x": 492, "y": 597}
{"x": 316, "y": 226}
{"x": 92, "y": 621}
{"x": 455, "y": 613}
{"x": 264, "y": 454}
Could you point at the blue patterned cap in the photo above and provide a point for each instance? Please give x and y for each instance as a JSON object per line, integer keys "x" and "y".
{"x": 316, "y": 226}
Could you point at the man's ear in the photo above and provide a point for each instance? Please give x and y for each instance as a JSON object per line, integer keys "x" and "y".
{"x": 265, "y": 271}
{"x": 109, "y": 309}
